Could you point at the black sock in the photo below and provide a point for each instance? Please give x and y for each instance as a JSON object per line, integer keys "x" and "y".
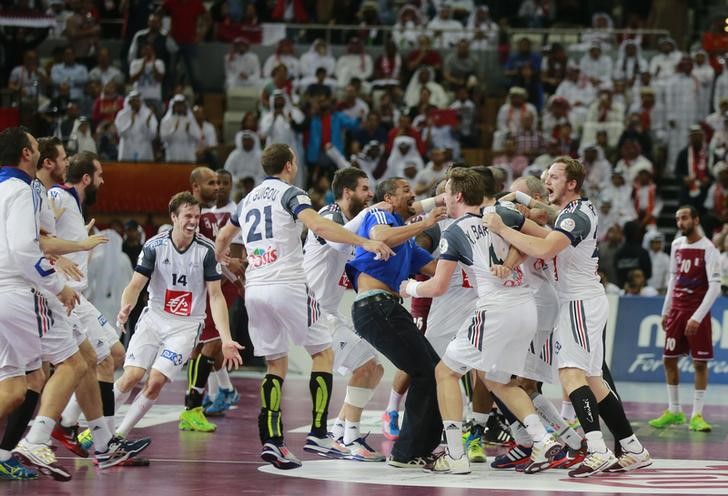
{"x": 270, "y": 422}
{"x": 107, "y": 398}
{"x": 612, "y": 412}
{"x": 585, "y": 406}
{"x": 320, "y": 386}
{"x": 199, "y": 371}
{"x": 468, "y": 385}
{"x": 18, "y": 420}
{"x": 504, "y": 410}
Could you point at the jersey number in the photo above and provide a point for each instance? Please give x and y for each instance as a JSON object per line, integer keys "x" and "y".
{"x": 494, "y": 260}
{"x": 254, "y": 217}
{"x": 181, "y": 279}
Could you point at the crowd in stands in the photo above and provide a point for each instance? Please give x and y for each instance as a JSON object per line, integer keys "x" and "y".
{"x": 634, "y": 109}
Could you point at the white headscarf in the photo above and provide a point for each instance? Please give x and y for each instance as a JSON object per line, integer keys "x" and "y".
{"x": 242, "y": 163}
{"x": 396, "y": 161}
{"x": 312, "y": 60}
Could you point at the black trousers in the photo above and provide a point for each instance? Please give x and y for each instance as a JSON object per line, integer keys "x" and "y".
{"x": 383, "y": 322}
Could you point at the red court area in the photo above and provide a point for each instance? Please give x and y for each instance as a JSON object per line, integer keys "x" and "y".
{"x": 227, "y": 462}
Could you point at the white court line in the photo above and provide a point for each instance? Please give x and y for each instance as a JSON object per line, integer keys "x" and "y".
{"x": 173, "y": 460}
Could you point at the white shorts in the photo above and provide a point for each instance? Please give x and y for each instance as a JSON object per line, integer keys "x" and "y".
{"x": 350, "y": 351}
{"x": 540, "y": 363}
{"x": 494, "y": 340}
{"x": 162, "y": 343}
{"x": 578, "y": 335}
{"x": 447, "y": 314}
{"x": 280, "y": 314}
{"x": 60, "y": 342}
{"x": 24, "y": 318}
{"x": 94, "y": 325}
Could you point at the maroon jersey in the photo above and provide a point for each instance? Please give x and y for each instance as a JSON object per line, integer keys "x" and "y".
{"x": 693, "y": 267}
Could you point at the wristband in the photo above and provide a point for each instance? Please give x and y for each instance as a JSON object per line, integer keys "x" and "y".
{"x": 427, "y": 205}
{"x": 412, "y": 287}
{"x": 523, "y": 198}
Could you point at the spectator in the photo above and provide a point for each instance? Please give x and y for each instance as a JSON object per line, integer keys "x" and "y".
{"x": 318, "y": 56}
{"x": 720, "y": 92}
{"x": 465, "y": 109}
{"x": 652, "y": 116}
{"x": 604, "y": 109}
{"x": 608, "y": 247}
{"x": 242, "y": 67}
{"x": 279, "y": 81}
{"x": 683, "y": 98}
{"x": 444, "y": 30}
{"x": 704, "y": 73}
{"x": 461, "y": 66}
{"x": 440, "y": 132}
{"x": 283, "y": 123}
{"x": 597, "y": 171}
{"x": 545, "y": 160}
{"x": 70, "y": 72}
{"x": 354, "y": 63}
{"x": 289, "y": 11}
{"x": 207, "y": 145}
{"x": 82, "y": 138}
{"x": 422, "y": 108}
{"x": 423, "y": 55}
{"x": 352, "y": 105}
{"x": 600, "y": 32}
{"x": 179, "y": 132}
{"x": 388, "y": 111}
{"x": 107, "y": 105}
{"x": 632, "y": 161}
{"x": 434, "y": 172}
{"x": 244, "y": 161}
{"x": 59, "y": 10}
{"x": 369, "y": 130}
{"x": 630, "y": 62}
{"x": 369, "y": 159}
{"x": 405, "y": 128}
{"x": 65, "y": 126}
{"x": 557, "y": 113}
{"x": 404, "y": 160}
{"x": 368, "y": 16}
{"x": 232, "y": 22}
{"x": 609, "y": 152}
{"x": 635, "y": 131}
{"x": 388, "y": 66}
{"x": 716, "y": 199}
{"x": 133, "y": 240}
{"x": 716, "y": 120}
{"x": 424, "y": 78}
{"x": 320, "y": 85}
{"x": 662, "y": 64}
{"x": 83, "y": 30}
{"x": 185, "y": 17}
{"x": 596, "y": 65}
{"x": 406, "y": 30}
{"x": 104, "y": 71}
{"x": 29, "y": 80}
{"x": 529, "y": 141}
{"x": 325, "y": 126}
{"x": 718, "y": 147}
{"x": 636, "y": 285}
{"x": 692, "y": 167}
{"x": 523, "y": 55}
{"x": 147, "y": 74}
{"x": 137, "y": 128}
{"x": 647, "y": 203}
{"x": 528, "y": 79}
{"x": 510, "y": 115}
{"x": 92, "y": 92}
{"x": 631, "y": 255}
{"x": 619, "y": 194}
{"x": 536, "y": 13}
{"x": 578, "y": 91}
{"x": 660, "y": 261}
{"x": 483, "y": 30}
{"x": 511, "y": 161}
{"x": 284, "y": 55}
{"x": 163, "y": 44}
{"x": 553, "y": 67}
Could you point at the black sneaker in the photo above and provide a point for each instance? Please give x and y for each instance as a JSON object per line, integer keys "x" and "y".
{"x": 120, "y": 450}
{"x": 497, "y": 431}
{"x": 278, "y": 455}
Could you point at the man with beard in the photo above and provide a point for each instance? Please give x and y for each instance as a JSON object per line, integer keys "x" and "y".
{"x": 693, "y": 287}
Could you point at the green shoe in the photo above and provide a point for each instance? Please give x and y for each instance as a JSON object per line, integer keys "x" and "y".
{"x": 698, "y": 424}
{"x": 668, "y": 418}
{"x": 194, "y": 420}
{"x": 474, "y": 444}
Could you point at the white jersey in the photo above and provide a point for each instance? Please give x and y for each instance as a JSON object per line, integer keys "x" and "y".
{"x": 539, "y": 274}
{"x": 224, "y": 213}
{"x": 21, "y": 260}
{"x": 268, "y": 217}
{"x": 576, "y": 266}
{"x": 46, "y": 218}
{"x": 178, "y": 280}
{"x": 459, "y": 287}
{"x": 469, "y": 242}
{"x": 71, "y": 226}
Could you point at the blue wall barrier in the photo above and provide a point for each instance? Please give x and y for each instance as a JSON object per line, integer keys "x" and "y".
{"x": 639, "y": 341}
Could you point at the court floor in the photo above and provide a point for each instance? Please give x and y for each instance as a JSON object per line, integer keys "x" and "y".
{"x": 227, "y": 462}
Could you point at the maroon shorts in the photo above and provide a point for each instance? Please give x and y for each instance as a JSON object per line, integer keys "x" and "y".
{"x": 209, "y": 332}
{"x": 699, "y": 345}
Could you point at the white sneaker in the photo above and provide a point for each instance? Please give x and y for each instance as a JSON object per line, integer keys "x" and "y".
{"x": 327, "y": 447}
{"x": 631, "y": 461}
{"x": 542, "y": 453}
{"x": 41, "y": 458}
{"x": 360, "y": 451}
{"x": 445, "y": 464}
{"x": 594, "y": 463}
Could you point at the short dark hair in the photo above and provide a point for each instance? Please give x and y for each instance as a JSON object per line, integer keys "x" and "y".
{"x": 693, "y": 211}
{"x": 468, "y": 182}
{"x": 181, "y": 198}
{"x": 387, "y": 187}
{"x": 488, "y": 180}
{"x": 275, "y": 157}
{"x": 346, "y": 178}
{"x": 224, "y": 172}
{"x": 48, "y": 148}
{"x": 12, "y": 142}
{"x": 81, "y": 164}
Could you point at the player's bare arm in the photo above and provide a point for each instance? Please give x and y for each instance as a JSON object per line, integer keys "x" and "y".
{"x": 395, "y": 236}
{"x": 130, "y": 296}
{"x": 52, "y": 245}
{"x": 532, "y": 246}
{"x": 437, "y": 285}
{"x": 224, "y": 238}
{"x": 219, "y": 310}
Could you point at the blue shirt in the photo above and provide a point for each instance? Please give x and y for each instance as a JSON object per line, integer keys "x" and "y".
{"x": 409, "y": 258}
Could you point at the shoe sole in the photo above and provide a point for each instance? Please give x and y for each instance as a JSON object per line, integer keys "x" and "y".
{"x": 709, "y": 429}
{"x": 510, "y": 464}
{"x": 123, "y": 459}
{"x": 630, "y": 468}
{"x": 333, "y": 455}
{"x": 190, "y": 428}
{"x": 536, "y": 467}
{"x": 357, "y": 458}
{"x": 54, "y": 473}
{"x": 277, "y": 463}
{"x": 583, "y": 475}
{"x": 404, "y": 465}
{"x": 478, "y": 459}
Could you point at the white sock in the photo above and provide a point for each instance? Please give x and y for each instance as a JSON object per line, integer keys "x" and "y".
{"x": 102, "y": 435}
{"x": 673, "y": 398}
{"x": 481, "y": 418}
{"x": 631, "y": 444}
{"x": 223, "y": 378}
{"x": 351, "y": 431}
{"x": 71, "y": 413}
{"x": 521, "y": 435}
{"x": 548, "y": 412}
{"x": 698, "y": 402}
{"x": 120, "y": 397}
{"x": 138, "y": 409}
{"x": 110, "y": 423}
{"x": 337, "y": 431}
{"x": 454, "y": 437}
{"x": 567, "y": 411}
{"x": 213, "y": 386}
{"x": 595, "y": 442}
{"x": 535, "y": 428}
{"x": 5, "y": 455}
{"x": 40, "y": 431}
{"x": 394, "y": 400}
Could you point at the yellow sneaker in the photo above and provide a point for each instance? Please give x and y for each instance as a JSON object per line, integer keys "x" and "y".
{"x": 668, "y": 418}
{"x": 194, "y": 420}
{"x": 698, "y": 424}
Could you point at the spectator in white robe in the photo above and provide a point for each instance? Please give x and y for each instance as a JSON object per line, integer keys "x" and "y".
{"x": 356, "y": 62}
{"x": 137, "y": 128}
{"x": 242, "y": 67}
{"x": 318, "y": 55}
{"x": 407, "y": 28}
{"x": 443, "y": 29}
{"x": 404, "y": 159}
{"x": 705, "y": 74}
{"x": 721, "y": 89}
{"x": 654, "y": 243}
{"x": 683, "y": 96}
{"x": 578, "y": 91}
{"x": 596, "y": 65}
{"x": 179, "y": 131}
{"x": 482, "y": 30}
{"x": 109, "y": 271}
{"x": 425, "y": 77}
{"x": 282, "y": 123}
{"x": 630, "y": 62}
{"x": 244, "y": 161}
{"x": 285, "y": 55}
{"x": 82, "y": 137}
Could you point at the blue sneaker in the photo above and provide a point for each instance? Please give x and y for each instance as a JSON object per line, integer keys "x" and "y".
{"x": 390, "y": 425}
{"x": 206, "y": 401}
{"x": 231, "y": 396}
{"x": 12, "y": 469}
{"x": 218, "y": 407}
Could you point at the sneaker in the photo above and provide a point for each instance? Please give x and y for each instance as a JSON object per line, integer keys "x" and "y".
{"x": 231, "y": 396}
{"x": 517, "y": 455}
{"x": 443, "y": 463}
{"x": 194, "y": 420}
{"x": 67, "y": 436}
{"x": 206, "y": 401}
{"x": 417, "y": 462}
{"x": 120, "y": 450}
{"x": 218, "y": 407}
{"x": 541, "y": 455}
{"x": 85, "y": 439}
{"x": 40, "y": 457}
{"x": 698, "y": 424}
{"x": 474, "y": 444}
{"x": 390, "y": 425}
{"x": 594, "y": 463}
{"x": 328, "y": 447}
{"x": 12, "y": 469}
{"x": 279, "y": 456}
{"x": 668, "y": 418}
{"x": 574, "y": 456}
{"x": 631, "y": 461}
{"x": 360, "y": 451}
{"x": 497, "y": 431}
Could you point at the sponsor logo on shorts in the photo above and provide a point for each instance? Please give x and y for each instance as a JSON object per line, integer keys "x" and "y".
{"x": 178, "y": 302}
{"x": 175, "y": 358}
{"x": 102, "y": 320}
{"x": 344, "y": 282}
{"x": 259, "y": 257}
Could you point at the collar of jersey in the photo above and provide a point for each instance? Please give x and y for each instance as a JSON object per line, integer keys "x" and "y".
{"x": 71, "y": 191}
{"x": 275, "y": 178}
{"x": 171, "y": 241}
{"x": 580, "y": 199}
{"x": 8, "y": 172}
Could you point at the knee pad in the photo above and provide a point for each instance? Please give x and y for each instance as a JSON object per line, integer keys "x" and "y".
{"x": 358, "y": 397}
